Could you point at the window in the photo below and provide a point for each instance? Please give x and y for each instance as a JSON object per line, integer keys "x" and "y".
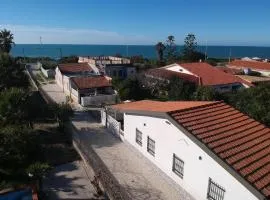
{"x": 138, "y": 137}
{"x": 151, "y": 146}
{"x": 178, "y": 166}
{"x": 215, "y": 191}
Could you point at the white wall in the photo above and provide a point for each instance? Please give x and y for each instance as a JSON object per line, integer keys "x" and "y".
{"x": 98, "y": 100}
{"x": 178, "y": 68}
{"x": 169, "y": 140}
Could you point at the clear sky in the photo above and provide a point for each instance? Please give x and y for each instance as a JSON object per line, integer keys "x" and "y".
{"x": 219, "y": 22}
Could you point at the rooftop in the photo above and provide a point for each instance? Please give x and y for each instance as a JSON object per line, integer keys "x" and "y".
{"x": 239, "y": 141}
{"x": 250, "y": 64}
{"x": 209, "y": 75}
{"x": 167, "y": 74}
{"x": 74, "y": 67}
{"x": 91, "y": 82}
{"x": 254, "y": 79}
{"x": 158, "y": 106}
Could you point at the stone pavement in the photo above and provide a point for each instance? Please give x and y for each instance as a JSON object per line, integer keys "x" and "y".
{"x": 69, "y": 181}
{"x": 140, "y": 178}
{"x": 54, "y": 92}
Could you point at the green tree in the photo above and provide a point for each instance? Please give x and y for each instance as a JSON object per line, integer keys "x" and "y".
{"x": 17, "y": 150}
{"x": 204, "y": 93}
{"x": 179, "y": 89}
{"x": 170, "y": 50}
{"x": 69, "y": 59}
{"x": 131, "y": 89}
{"x": 253, "y": 101}
{"x": 13, "y": 109}
{"x": 11, "y": 73}
{"x": 63, "y": 112}
{"x": 160, "y": 47}
{"x": 37, "y": 171}
{"x": 189, "y": 52}
{"x": 6, "y": 41}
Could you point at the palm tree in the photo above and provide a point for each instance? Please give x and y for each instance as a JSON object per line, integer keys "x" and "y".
{"x": 6, "y": 41}
{"x": 160, "y": 47}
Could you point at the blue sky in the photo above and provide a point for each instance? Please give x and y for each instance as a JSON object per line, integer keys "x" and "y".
{"x": 219, "y": 22}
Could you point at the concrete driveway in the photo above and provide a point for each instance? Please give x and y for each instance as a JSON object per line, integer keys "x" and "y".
{"x": 54, "y": 92}
{"x": 69, "y": 181}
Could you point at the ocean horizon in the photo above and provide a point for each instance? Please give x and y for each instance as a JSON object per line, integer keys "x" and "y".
{"x": 148, "y": 51}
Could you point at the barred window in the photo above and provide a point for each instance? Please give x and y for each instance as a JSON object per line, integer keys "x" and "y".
{"x": 138, "y": 137}
{"x": 178, "y": 166}
{"x": 151, "y": 146}
{"x": 215, "y": 191}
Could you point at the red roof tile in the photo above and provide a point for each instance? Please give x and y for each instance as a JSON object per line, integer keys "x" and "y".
{"x": 74, "y": 67}
{"x": 91, "y": 82}
{"x": 240, "y": 141}
{"x": 162, "y": 73}
{"x": 250, "y": 64}
{"x": 232, "y": 71}
{"x": 158, "y": 106}
{"x": 209, "y": 75}
{"x": 243, "y": 143}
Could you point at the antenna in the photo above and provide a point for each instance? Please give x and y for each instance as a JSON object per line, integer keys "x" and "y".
{"x": 230, "y": 54}
{"x": 40, "y": 40}
{"x": 127, "y": 50}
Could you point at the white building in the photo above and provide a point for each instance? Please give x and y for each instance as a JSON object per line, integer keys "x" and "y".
{"x": 257, "y": 66}
{"x": 64, "y": 72}
{"x": 209, "y": 148}
{"x": 202, "y": 74}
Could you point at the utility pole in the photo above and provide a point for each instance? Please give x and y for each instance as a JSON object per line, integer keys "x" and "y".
{"x": 230, "y": 54}
{"x": 60, "y": 50}
{"x": 205, "y": 53}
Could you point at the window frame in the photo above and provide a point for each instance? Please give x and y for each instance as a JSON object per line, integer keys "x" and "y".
{"x": 215, "y": 191}
{"x": 138, "y": 133}
{"x": 151, "y": 147}
{"x": 178, "y": 172}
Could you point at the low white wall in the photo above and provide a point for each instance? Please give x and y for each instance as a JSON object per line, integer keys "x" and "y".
{"x": 98, "y": 100}
{"x": 112, "y": 125}
{"x": 170, "y": 140}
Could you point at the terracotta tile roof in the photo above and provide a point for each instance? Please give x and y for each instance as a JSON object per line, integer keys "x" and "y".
{"x": 167, "y": 74}
{"x": 243, "y": 143}
{"x": 232, "y": 71}
{"x": 250, "y": 64}
{"x": 254, "y": 79}
{"x": 240, "y": 141}
{"x": 209, "y": 75}
{"x": 158, "y": 106}
{"x": 91, "y": 82}
{"x": 74, "y": 67}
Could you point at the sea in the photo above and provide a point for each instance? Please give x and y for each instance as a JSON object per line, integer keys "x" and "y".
{"x": 148, "y": 51}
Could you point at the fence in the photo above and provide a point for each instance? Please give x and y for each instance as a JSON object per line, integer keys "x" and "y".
{"x": 98, "y": 100}
{"x": 112, "y": 124}
{"x": 108, "y": 181}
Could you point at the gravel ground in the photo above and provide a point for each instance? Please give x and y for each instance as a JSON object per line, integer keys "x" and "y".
{"x": 69, "y": 181}
{"x": 136, "y": 174}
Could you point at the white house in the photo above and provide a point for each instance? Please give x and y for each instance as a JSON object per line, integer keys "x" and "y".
{"x": 64, "y": 72}
{"x": 209, "y": 148}
{"x": 202, "y": 74}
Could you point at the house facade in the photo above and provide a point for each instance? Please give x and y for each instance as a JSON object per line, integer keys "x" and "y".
{"x": 64, "y": 72}
{"x": 111, "y": 66}
{"x": 208, "y": 148}
{"x": 92, "y": 90}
